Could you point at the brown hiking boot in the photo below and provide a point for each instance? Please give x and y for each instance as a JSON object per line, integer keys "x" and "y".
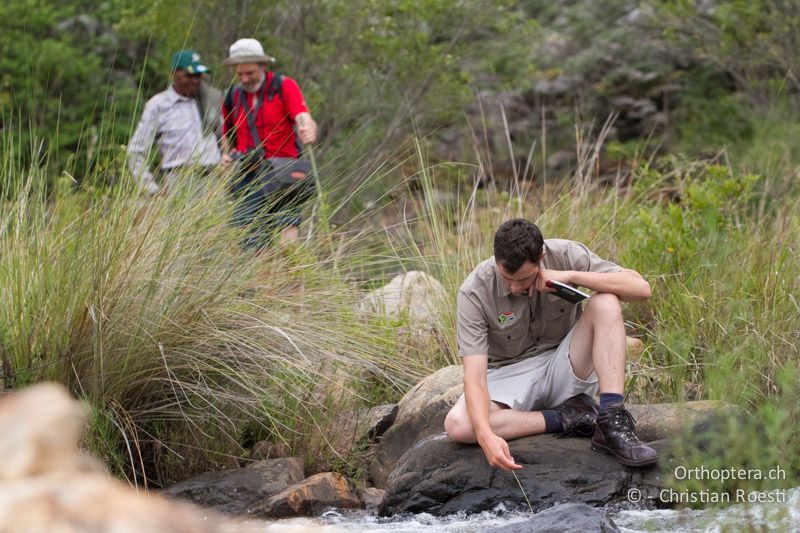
{"x": 614, "y": 435}
{"x": 578, "y": 416}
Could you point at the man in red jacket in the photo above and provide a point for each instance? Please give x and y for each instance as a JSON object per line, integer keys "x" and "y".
{"x": 265, "y": 118}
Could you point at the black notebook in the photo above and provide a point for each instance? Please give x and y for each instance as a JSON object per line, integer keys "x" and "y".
{"x": 567, "y": 292}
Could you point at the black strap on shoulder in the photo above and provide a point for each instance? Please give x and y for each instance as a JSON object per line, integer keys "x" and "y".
{"x": 275, "y": 86}
{"x": 251, "y": 115}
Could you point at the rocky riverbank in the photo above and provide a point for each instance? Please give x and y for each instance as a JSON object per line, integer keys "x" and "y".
{"x": 423, "y": 471}
{"x": 415, "y": 469}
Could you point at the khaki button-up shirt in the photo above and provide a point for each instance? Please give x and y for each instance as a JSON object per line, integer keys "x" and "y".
{"x": 509, "y": 328}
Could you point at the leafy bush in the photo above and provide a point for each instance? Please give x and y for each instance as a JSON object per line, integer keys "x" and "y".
{"x": 70, "y": 81}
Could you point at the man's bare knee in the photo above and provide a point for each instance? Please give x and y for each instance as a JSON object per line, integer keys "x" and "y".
{"x": 458, "y": 426}
{"x": 605, "y": 306}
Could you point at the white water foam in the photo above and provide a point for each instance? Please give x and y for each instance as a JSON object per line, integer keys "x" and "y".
{"x": 345, "y": 521}
{"x": 740, "y": 517}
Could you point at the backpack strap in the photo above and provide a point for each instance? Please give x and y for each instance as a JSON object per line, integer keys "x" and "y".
{"x": 251, "y": 115}
{"x": 275, "y": 86}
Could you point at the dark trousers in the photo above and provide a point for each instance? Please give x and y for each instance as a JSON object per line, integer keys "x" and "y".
{"x": 263, "y": 214}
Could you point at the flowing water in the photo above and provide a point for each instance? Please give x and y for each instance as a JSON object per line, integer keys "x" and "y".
{"x": 739, "y": 517}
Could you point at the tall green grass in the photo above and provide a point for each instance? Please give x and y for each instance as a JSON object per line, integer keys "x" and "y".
{"x": 185, "y": 344}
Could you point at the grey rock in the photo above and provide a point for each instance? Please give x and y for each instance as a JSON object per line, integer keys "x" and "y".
{"x": 381, "y": 418}
{"x": 666, "y": 420}
{"x": 564, "y": 517}
{"x": 441, "y": 477}
{"x": 414, "y": 296}
{"x": 235, "y": 491}
{"x": 372, "y": 497}
{"x": 420, "y": 413}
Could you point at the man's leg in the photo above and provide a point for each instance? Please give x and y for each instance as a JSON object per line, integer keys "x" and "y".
{"x": 505, "y": 422}
{"x": 290, "y": 235}
{"x": 284, "y": 218}
{"x": 248, "y": 209}
{"x": 598, "y": 343}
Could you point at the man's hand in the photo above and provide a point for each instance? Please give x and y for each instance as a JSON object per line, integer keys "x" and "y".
{"x": 150, "y": 188}
{"x": 542, "y": 279}
{"x": 306, "y": 128}
{"x": 226, "y": 161}
{"x": 497, "y": 452}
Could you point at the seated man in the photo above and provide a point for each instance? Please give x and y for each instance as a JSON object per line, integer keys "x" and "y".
{"x": 533, "y": 361}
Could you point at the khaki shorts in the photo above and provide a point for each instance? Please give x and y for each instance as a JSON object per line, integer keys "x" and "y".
{"x": 540, "y": 382}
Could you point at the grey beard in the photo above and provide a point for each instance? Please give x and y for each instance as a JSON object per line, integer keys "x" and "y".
{"x": 257, "y": 86}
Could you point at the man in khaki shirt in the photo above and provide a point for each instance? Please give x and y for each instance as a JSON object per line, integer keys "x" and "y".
{"x": 532, "y": 361}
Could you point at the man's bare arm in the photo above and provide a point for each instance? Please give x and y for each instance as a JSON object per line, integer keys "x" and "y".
{"x": 476, "y": 395}
{"x": 627, "y": 284}
{"x": 306, "y": 128}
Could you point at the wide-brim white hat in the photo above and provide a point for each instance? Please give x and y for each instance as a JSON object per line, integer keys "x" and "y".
{"x": 247, "y": 51}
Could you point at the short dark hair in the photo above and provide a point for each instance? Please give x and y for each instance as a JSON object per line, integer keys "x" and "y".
{"x": 516, "y": 241}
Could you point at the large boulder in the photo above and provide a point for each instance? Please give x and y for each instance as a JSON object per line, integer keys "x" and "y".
{"x": 564, "y": 517}
{"x": 47, "y": 484}
{"x": 414, "y": 295}
{"x": 440, "y": 477}
{"x": 666, "y": 420}
{"x": 312, "y": 496}
{"x": 420, "y": 413}
{"x": 413, "y": 301}
{"x": 235, "y": 491}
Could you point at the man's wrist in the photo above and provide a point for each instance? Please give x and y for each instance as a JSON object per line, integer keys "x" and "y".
{"x": 483, "y": 435}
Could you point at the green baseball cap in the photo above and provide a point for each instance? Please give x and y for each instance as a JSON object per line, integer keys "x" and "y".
{"x": 188, "y": 60}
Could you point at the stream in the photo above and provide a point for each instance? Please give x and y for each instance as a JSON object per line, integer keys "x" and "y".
{"x": 737, "y": 517}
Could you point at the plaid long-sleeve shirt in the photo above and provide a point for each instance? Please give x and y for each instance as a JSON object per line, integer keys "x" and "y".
{"x": 172, "y": 123}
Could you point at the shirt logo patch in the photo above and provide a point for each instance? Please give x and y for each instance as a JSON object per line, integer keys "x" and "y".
{"x": 507, "y": 317}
